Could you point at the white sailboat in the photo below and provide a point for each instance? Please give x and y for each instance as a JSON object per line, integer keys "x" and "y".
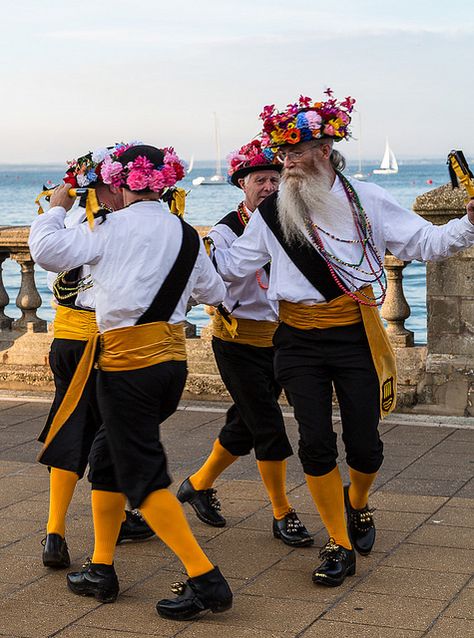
{"x": 389, "y": 164}
{"x": 190, "y": 165}
{"x": 217, "y": 179}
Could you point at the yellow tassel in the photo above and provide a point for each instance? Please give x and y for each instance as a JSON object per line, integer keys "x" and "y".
{"x": 178, "y": 203}
{"x": 92, "y": 203}
{"x": 229, "y": 322}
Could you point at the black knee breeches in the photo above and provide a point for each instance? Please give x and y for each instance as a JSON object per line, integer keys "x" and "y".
{"x": 127, "y": 455}
{"x": 308, "y": 363}
{"x": 255, "y": 420}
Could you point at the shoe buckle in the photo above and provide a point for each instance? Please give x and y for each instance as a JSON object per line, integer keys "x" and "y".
{"x": 178, "y": 588}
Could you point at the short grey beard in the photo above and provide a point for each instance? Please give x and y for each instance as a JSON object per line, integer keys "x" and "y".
{"x": 302, "y": 195}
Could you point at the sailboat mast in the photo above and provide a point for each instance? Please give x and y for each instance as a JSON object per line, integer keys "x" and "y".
{"x": 218, "y": 145}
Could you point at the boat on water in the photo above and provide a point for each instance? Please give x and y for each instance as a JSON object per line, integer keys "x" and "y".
{"x": 389, "y": 164}
{"x": 217, "y": 179}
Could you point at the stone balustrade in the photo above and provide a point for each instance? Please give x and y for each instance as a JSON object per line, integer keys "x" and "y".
{"x": 14, "y": 245}
{"x": 426, "y": 373}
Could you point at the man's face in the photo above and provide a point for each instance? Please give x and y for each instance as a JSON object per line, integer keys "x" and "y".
{"x": 259, "y": 185}
{"x": 304, "y": 158}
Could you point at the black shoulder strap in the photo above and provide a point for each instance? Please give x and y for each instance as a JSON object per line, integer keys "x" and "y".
{"x": 168, "y": 296}
{"x": 233, "y": 222}
{"x": 306, "y": 258}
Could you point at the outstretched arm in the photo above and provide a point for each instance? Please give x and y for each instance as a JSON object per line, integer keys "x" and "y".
{"x": 247, "y": 254}
{"x": 408, "y": 236}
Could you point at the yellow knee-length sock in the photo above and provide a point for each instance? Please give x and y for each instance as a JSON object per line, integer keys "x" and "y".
{"x": 273, "y": 475}
{"x": 107, "y": 513}
{"x": 217, "y": 461}
{"x": 359, "y": 488}
{"x": 62, "y": 484}
{"x": 328, "y": 494}
{"x": 164, "y": 514}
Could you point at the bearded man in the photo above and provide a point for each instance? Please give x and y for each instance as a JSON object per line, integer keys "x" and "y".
{"x": 244, "y": 357}
{"x": 326, "y": 238}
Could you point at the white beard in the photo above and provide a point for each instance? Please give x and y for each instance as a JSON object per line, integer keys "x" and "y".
{"x": 302, "y": 195}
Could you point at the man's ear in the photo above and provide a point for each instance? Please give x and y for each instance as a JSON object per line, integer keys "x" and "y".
{"x": 241, "y": 182}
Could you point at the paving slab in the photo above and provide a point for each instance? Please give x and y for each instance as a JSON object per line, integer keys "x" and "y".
{"x": 415, "y": 583}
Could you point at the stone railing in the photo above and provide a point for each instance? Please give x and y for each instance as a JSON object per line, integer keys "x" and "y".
{"x": 14, "y": 245}
{"x": 426, "y": 373}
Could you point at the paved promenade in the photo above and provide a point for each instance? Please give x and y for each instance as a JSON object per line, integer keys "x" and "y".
{"x": 416, "y": 583}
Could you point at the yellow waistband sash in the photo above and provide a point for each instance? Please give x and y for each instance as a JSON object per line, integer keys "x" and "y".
{"x": 141, "y": 346}
{"x": 127, "y": 348}
{"x": 344, "y": 311}
{"x": 75, "y": 324}
{"x": 249, "y": 331}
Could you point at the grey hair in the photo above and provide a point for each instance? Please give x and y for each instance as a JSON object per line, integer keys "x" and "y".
{"x": 338, "y": 161}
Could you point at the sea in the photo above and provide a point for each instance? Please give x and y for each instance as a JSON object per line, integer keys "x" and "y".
{"x": 19, "y": 185}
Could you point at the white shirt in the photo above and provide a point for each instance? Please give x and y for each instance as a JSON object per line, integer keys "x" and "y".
{"x": 407, "y": 235}
{"x": 253, "y": 300}
{"x": 130, "y": 256}
{"x": 85, "y": 298}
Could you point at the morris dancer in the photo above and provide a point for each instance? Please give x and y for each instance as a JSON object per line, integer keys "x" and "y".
{"x": 145, "y": 263}
{"x": 75, "y": 323}
{"x": 326, "y": 237}
{"x": 245, "y": 362}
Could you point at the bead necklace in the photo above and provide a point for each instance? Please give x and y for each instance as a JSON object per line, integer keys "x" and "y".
{"x": 338, "y": 267}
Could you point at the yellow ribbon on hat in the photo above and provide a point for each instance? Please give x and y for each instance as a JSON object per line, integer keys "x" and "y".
{"x": 178, "y": 202}
{"x": 92, "y": 203}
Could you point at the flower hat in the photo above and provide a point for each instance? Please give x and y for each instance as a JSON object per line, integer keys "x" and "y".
{"x": 249, "y": 159}
{"x": 305, "y": 120}
{"x": 85, "y": 171}
{"x": 150, "y": 168}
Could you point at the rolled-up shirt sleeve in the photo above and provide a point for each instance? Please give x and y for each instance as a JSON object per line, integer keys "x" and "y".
{"x": 247, "y": 254}
{"x": 56, "y": 248}
{"x": 208, "y": 287}
{"x": 408, "y": 236}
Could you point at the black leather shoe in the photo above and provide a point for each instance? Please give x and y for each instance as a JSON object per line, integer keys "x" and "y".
{"x": 204, "y": 502}
{"x": 95, "y": 580}
{"x": 338, "y": 563}
{"x": 360, "y": 525}
{"x": 209, "y": 591}
{"x": 134, "y": 528}
{"x": 55, "y": 552}
{"x": 291, "y": 531}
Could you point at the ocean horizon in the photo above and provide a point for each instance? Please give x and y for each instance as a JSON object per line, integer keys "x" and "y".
{"x": 20, "y": 184}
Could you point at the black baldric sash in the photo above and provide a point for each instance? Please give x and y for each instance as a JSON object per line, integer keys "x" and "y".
{"x": 168, "y": 296}
{"x": 306, "y": 258}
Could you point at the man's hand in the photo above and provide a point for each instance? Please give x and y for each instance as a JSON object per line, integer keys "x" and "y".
{"x": 470, "y": 211}
{"x": 61, "y": 197}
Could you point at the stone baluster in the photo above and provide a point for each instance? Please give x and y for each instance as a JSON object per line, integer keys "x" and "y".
{"x": 5, "y": 322}
{"x": 28, "y": 299}
{"x": 396, "y": 310}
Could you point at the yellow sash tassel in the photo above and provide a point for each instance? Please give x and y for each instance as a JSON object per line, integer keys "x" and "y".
{"x": 92, "y": 203}
{"x": 344, "y": 311}
{"x": 248, "y": 331}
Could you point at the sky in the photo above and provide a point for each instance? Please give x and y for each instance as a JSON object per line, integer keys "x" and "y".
{"x": 81, "y": 75}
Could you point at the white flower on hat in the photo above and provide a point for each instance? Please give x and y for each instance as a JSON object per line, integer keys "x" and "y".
{"x": 100, "y": 154}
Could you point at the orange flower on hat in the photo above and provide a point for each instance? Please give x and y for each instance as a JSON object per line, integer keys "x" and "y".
{"x": 292, "y": 136}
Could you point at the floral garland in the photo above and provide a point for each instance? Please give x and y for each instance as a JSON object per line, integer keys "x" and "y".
{"x": 249, "y": 155}
{"x": 305, "y": 120}
{"x": 86, "y": 170}
{"x": 142, "y": 174}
